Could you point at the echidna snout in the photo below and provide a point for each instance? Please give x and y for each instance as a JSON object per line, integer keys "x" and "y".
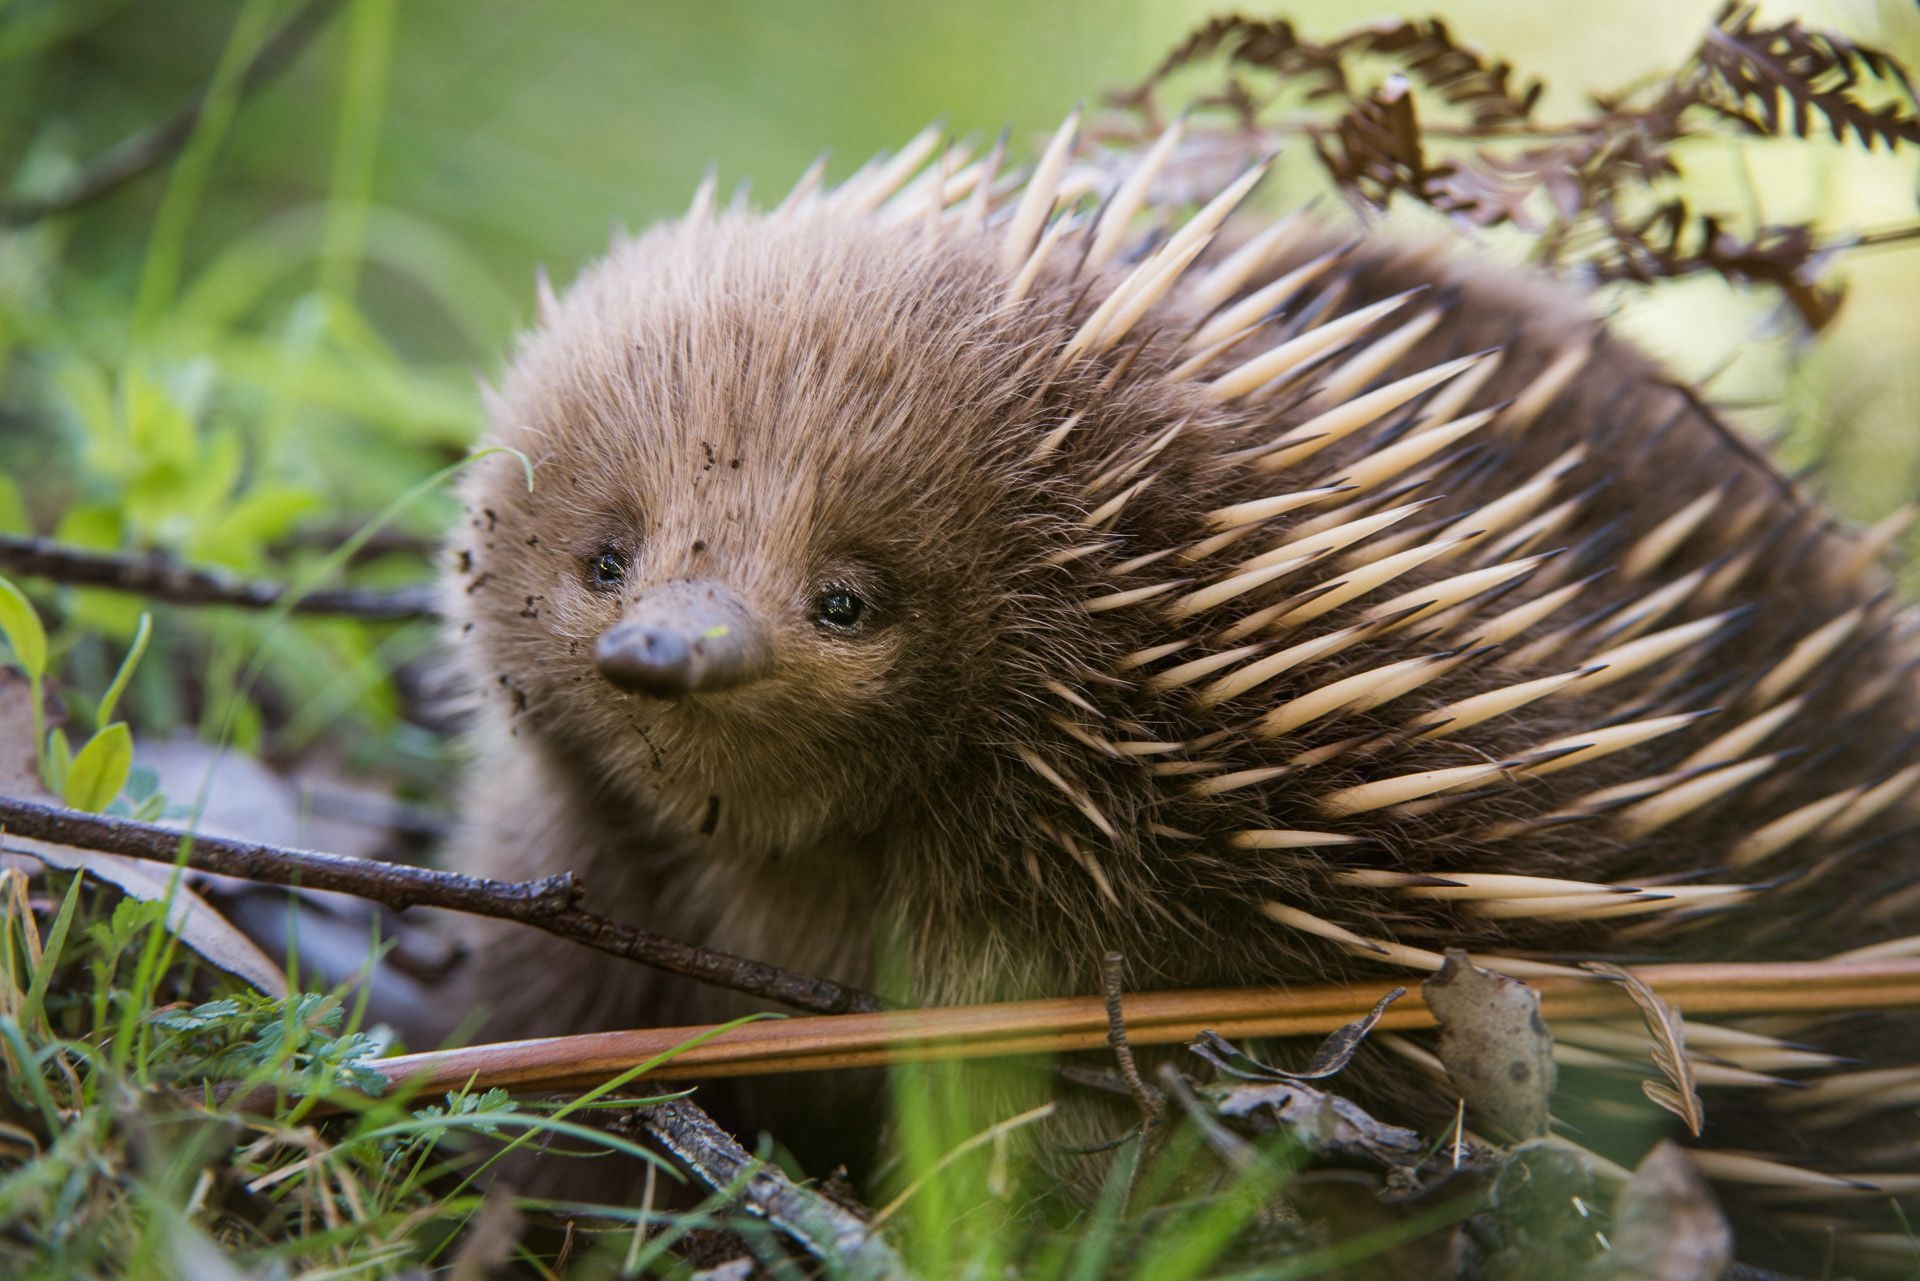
{"x": 689, "y": 637}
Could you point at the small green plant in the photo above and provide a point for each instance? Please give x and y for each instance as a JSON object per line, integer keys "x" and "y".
{"x": 94, "y": 777}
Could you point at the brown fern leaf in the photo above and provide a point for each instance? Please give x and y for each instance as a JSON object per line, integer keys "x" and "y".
{"x": 1459, "y": 73}
{"x": 1271, "y": 45}
{"x": 1424, "y": 50}
{"x": 1376, "y": 148}
{"x": 1672, "y": 242}
{"x": 1776, "y": 80}
{"x": 1600, "y": 190}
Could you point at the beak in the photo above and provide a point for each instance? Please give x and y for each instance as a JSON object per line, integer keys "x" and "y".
{"x": 690, "y": 637}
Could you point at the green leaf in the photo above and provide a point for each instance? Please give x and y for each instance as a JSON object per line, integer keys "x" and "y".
{"x": 21, "y": 626}
{"x": 237, "y": 536}
{"x": 50, "y": 956}
{"x": 95, "y": 525}
{"x": 100, "y": 768}
{"x": 108, "y": 701}
{"x": 56, "y": 762}
{"x": 13, "y": 508}
{"x": 89, "y": 401}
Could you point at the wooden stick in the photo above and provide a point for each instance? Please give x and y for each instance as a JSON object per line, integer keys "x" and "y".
{"x": 1153, "y": 1018}
{"x": 549, "y": 903}
{"x": 154, "y": 146}
{"x": 162, "y": 578}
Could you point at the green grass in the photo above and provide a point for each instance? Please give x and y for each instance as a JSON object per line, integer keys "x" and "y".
{"x": 122, "y": 1152}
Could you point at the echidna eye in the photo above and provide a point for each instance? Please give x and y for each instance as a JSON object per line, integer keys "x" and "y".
{"x": 839, "y": 609}
{"x": 606, "y": 569}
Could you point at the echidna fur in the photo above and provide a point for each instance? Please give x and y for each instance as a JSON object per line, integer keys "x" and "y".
{"x": 1116, "y": 691}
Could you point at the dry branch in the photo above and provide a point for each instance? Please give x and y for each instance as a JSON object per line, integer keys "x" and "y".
{"x": 163, "y": 578}
{"x": 153, "y": 146}
{"x": 547, "y": 904}
{"x": 826, "y": 1230}
{"x": 1065, "y": 1024}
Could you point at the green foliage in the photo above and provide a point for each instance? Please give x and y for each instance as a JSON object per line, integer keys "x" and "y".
{"x": 93, "y": 777}
{"x": 245, "y": 1036}
{"x": 108, "y": 1157}
{"x": 99, "y": 769}
{"x": 21, "y": 626}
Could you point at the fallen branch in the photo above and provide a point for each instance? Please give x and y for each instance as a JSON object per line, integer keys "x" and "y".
{"x": 163, "y": 578}
{"x": 1065, "y": 1024}
{"x": 153, "y": 146}
{"x": 828, "y": 1231}
{"x": 548, "y": 904}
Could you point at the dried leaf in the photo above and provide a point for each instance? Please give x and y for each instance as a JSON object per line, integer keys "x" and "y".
{"x": 1495, "y": 1045}
{"x": 1666, "y": 1224}
{"x": 1669, "y": 1048}
{"x": 1324, "y": 1124}
{"x": 1376, "y": 148}
{"x": 1334, "y": 1053}
{"x": 1598, "y": 189}
{"x": 1776, "y": 80}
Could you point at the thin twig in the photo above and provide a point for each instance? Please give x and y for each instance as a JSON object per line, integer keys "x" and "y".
{"x": 163, "y": 578}
{"x": 1113, "y": 978}
{"x": 547, "y": 904}
{"x": 825, "y": 1229}
{"x": 1067, "y": 1024}
{"x": 1233, "y": 1150}
{"x": 153, "y": 146}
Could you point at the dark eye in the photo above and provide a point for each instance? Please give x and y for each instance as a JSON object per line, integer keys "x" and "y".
{"x": 606, "y": 569}
{"x": 838, "y": 609}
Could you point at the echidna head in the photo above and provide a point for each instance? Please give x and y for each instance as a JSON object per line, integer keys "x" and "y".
{"x": 776, "y": 569}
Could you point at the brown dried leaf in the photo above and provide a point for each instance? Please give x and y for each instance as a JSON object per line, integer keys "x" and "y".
{"x": 1324, "y": 1124}
{"x": 1776, "y": 80}
{"x": 1333, "y": 1055}
{"x": 1495, "y": 1045}
{"x": 1669, "y": 1035}
{"x": 1666, "y": 1224}
{"x": 1597, "y": 189}
{"x": 1424, "y": 49}
{"x": 1376, "y": 148}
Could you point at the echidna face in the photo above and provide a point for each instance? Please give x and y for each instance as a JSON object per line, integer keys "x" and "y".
{"x": 769, "y": 550}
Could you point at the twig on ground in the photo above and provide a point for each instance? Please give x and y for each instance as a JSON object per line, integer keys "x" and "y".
{"x": 163, "y": 578}
{"x": 1153, "y": 1106}
{"x": 1235, "y": 1151}
{"x": 548, "y": 904}
{"x": 153, "y": 146}
{"x": 1066, "y": 1024}
{"x": 828, "y": 1231}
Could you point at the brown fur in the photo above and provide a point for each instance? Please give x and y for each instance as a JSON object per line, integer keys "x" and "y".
{"x": 783, "y": 401}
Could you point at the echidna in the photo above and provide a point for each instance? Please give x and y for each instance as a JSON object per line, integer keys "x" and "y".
{"x": 1005, "y": 572}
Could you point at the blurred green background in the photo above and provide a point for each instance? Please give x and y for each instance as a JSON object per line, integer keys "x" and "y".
{"x": 241, "y": 357}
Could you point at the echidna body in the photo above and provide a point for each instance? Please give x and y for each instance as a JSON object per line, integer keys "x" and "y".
{"x": 992, "y": 580}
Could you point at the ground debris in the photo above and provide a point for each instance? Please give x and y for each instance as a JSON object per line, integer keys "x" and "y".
{"x": 1496, "y": 1046}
